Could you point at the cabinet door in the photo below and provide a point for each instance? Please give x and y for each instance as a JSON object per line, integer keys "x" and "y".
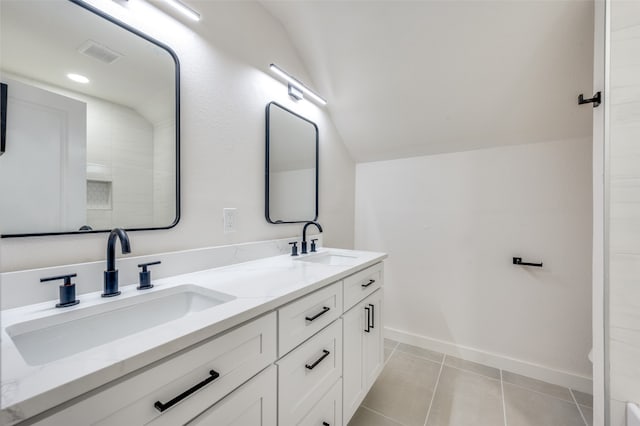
{"x": 373, "y": 354}
{"x": 363, "y": 351}
{"x": 253, "y": 404}
{"x": 353, "y": 378}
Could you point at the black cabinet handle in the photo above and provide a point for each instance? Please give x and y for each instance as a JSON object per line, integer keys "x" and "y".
{"x": 162, "y": 407}
{"x": 325, "y": 424}
{"x": 368, "y": 329}
{"x": 3, "y": 117}
{"x": 324, "y": 311}
{"x": 319, "y": 360}
{"x": 367, "y": 284}
{"x": 373, "y": 315}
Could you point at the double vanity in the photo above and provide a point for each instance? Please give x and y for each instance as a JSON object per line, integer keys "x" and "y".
{"x": 280, "y": 340}
{"x": 254, "y": 337}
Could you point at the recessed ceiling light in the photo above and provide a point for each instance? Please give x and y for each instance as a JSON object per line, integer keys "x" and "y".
{"x": 78, "y": 78}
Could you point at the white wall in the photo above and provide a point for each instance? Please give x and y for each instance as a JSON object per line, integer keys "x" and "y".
{"x": 451, "y": 224}
{"x": 225, "y": 86}
{"x": 624, "y": 207}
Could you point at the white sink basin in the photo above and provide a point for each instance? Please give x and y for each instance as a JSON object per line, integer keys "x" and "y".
{"x": 48, "y": 339}
{"x": 330, "y": 258}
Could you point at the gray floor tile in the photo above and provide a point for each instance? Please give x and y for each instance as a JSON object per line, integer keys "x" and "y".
{"x": 583, "y": 398}
{"x": 364, "y": 417}
{"x": 391, "y": 344}
{"x": 464, "y": 398}
{"x": 529, "y": 408}
{"x": 424, "y": 353}
{"x": 387, "y": 353}
{"x": 588, "y": 414}
{"x": 404, "y": 389}
{"x": 537, "y": 385}
{"x": 474, "y": 367}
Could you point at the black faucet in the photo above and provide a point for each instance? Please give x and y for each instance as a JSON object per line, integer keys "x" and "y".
{"x": 111, "y": 274}
{"x": 304, "y": 235}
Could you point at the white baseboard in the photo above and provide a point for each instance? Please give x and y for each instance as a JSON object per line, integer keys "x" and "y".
{"x": 540, "y": 372}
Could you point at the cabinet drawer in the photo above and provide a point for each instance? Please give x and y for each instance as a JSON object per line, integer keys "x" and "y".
{"x": 304, "y": 317}
{"x": 328, "y": 411}
{"x": 253, "y": 404}
{"x": 361, "y": 284}
{"x": 308, "y": 372}
{"x": 236, "y": 356}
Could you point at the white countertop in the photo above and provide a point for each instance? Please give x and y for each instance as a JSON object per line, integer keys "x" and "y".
{"x": 258, "y": 286}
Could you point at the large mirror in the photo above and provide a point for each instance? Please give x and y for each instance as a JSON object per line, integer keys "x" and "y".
{"x": 291, "y": 167}
{"x": 92, "y": 123}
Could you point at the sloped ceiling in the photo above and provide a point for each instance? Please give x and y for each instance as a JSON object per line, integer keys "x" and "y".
{"x": 423, "y": 77}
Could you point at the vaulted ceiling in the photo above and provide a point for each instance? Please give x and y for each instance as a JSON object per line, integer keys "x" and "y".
{"x": 410, "y": 78}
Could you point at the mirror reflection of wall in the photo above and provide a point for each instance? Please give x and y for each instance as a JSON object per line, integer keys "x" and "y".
{"x": 292, "y": 168}
{"x": 113, "y": 159}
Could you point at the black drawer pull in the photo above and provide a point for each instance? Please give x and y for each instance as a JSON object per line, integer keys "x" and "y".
{"x": 319, "y": 360}
{"x": 373, "y": 315}
{"x": 162, "y": 407}
{"x": 324, "y": 311}
{"x": 368, "y": 329}
{"x": 325, "y": 424}
{"x": 367, "y": 284}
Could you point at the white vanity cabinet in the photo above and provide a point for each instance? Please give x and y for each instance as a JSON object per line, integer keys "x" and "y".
{"x": 307, "y": 362}
{"x": 310, "y": 348}
{"x": 184, "y": 385}
{"x": 363, "y": 349}
{"x": 349, "y": 352}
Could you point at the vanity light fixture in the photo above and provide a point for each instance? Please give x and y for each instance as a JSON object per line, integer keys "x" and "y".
{"x": 296, "y": 87}
{"x": 184, "y": 9}
{"x": 78, "y": 78}
{"x": 295, "y": 93}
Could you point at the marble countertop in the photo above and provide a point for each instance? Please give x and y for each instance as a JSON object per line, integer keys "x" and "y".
{"x": 257, "y": 287}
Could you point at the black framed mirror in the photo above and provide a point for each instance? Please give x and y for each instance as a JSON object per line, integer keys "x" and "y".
{"x": 291, "y": 172}
{"x": 92, "y": 123}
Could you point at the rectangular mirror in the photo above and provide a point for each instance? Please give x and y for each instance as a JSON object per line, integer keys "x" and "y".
{"x": 92, "y": 123}
{"x": 291, "y": 167}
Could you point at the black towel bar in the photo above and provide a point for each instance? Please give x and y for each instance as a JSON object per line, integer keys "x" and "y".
{"x": 518, "y": 261}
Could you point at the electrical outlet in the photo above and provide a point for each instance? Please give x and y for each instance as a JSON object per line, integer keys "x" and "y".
{"x": 229, "y": 216}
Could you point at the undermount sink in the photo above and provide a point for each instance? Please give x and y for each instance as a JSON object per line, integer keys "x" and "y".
{"x": 330, "y": 258}
{"x": 48, "y": 339}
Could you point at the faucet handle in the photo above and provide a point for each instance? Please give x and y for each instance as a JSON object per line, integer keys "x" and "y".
{"x": 145, "y": 276}
{"x": 294, "y": 248}
{"x": 313, "y": 245}
{"x": 67, "y": 290}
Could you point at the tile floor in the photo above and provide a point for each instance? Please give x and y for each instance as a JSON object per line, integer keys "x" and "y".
{"x": 418, "y": 387}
